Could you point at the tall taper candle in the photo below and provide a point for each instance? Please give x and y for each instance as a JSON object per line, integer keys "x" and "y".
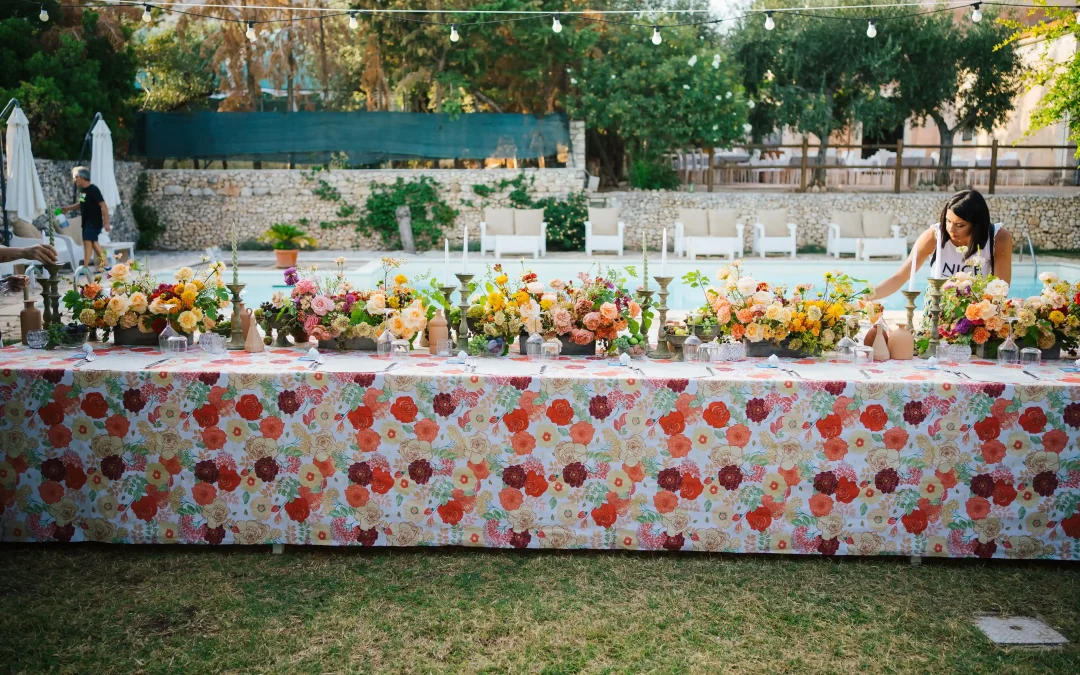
{"x": 446, "y": 263}
{"x": 911, "y": 277}
{"x": 235, "y": 258}
{"x": 937, "y": 257}
{"x": 465, "y": 250}
{"x": 644, "y": 263}
{"x": 663, "y": 256}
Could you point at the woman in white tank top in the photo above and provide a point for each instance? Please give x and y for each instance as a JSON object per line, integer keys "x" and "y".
{"x": 965, "y": 225}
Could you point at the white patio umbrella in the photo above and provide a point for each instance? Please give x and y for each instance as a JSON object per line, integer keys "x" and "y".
{"x": 25, "y": 199}
{"x": 101, "y": 165}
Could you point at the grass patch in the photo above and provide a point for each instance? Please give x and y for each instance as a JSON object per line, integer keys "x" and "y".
{"x": 93, "y": 608}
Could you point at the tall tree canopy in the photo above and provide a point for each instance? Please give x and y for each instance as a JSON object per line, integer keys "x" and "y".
{"x": 64, "y": 71}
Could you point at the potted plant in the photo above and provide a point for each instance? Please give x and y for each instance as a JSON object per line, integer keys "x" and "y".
{"x": 287, "y": 241}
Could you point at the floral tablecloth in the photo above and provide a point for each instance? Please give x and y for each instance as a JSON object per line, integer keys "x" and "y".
{"x": 811, "y": 457}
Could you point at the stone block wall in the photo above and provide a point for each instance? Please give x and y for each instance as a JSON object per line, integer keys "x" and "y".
{"x": 198, "y": 208}
{"x": 56, "y": 183}
{"x": 1052, "y": 219}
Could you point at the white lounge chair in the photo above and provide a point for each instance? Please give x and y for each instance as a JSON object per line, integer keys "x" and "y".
{"x": 604, "y": 231}
{"x": 691, "y": 223}
{"x": 881, "y": 236}
{"x": 774, "y": 233}
{"x": 843, "y": 233}
{"x": 496, "y": 221}
{"x": 726, "y": 236}
{"x": 528, "y": 236}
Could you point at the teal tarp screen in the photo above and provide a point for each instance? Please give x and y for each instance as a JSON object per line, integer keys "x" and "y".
{"x": 366, "y": 137}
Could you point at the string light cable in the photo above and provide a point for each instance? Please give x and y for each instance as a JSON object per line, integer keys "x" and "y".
{"x": 455, "y": 17}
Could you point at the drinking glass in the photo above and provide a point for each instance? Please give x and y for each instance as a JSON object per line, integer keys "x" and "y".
{"x": 534, "y": 347}
{"x": 176, "y": 346}
{"x": 384, "y": 345}
{"x": 690, "y": 348}
{"x": 1008, "y": 352}
{"x": 37, "y": 339}
{"x": 1029, "y": 356}
{"x": 709, "y": 352}
{"x": 550, "y": 350}
{"x": 399, "y": 350}
{"x": 445, "y": 347}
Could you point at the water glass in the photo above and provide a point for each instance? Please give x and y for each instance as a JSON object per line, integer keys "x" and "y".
{"x": 37, "y": 339}
{"x": 445, "y": 348}
{"x": 1029, "y": 356}
{"x": 550, "y": 350}
{"x": 212, "y": 343}
{"x": 399, "y": 350}
{"x": 864, "y": 355}
{"x": 176, "y": 346}
{"x": 709, "y": 352}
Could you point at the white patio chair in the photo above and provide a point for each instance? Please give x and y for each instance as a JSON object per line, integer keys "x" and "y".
{"x": 774, "y": 233}
{"x": 881, "y": 236}
{"x": 496, "y": 221}
{"x": 529, "y": 235}
{"x": 66, "y": 253}
{"x": 843, "y": 233}
{"x": 691, "y": 223}
{"x": 111, "y": 248}
{"x": 604, "y": 231}
{"x": 726, "y": 236}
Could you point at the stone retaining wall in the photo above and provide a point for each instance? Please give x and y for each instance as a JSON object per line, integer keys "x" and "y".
{"x": 198, "y": 208}
{"x": 56, "y": 184}
{"x": 1053, "y": 220}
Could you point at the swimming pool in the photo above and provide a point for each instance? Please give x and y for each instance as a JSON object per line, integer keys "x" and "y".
{"x": 261, "y": 284}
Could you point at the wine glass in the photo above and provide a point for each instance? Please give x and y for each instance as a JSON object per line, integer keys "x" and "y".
{"x": 1008, "y": 353}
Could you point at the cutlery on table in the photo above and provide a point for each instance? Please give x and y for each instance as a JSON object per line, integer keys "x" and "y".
{"x": 158, "y": 362}
{"x": 865, "y": 374}
{"x": 1032, "y": 375}
{"x": 543, "y": 368}
{"x": 711, "y": 373}
{"x": 390, "y": 367}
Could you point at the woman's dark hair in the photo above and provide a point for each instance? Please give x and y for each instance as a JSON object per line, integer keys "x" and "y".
{"x": 970, "y": 206}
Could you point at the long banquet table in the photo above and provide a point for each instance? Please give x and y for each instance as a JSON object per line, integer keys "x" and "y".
{"x": 812, "y": 457}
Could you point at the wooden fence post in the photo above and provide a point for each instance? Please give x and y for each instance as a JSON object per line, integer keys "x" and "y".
{"x": 993, "y": 167}
{"x": 898, "y": 179}
{"x": 802, "y": 165}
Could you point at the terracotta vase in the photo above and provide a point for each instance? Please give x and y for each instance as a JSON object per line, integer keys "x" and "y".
{"x": 881, "y": 346}
{"x": 29, "y": 319}
{"x": 901, "y": 344}
{"x": 253, "y": 342}
{"x": 437, "y": 331}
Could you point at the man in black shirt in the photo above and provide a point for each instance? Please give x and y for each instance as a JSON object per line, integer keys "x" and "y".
{"x": 95, "y": 214}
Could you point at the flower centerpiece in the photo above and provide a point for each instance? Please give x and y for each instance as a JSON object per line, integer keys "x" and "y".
{"x": 600, "y": 309}
{"x": 1049, "y": 321}
{"x": 973, "y": 311}
{"x": 192, "y": 302}
{"x": 805, "y": 323}
{"x": 331, "y": 311}
{"x": 87, "y": 303}
{"x": 494, "y": 314}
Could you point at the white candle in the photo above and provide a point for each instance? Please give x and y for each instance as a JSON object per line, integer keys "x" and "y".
{"x": 465, "y": 250}
{"x": 663, "y": 256}
{"x": 911, "y": 277}
{"x": 446, "y": 262}
{"x": 937, "y": 257}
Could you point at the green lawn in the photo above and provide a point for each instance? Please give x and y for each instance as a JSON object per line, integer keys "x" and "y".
{"x": 97, "y": 609}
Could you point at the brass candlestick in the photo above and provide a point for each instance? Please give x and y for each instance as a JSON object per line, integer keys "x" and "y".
{"x": 463, "y": 325}
{"x": 910, "y": 307}
{"x": 236, "y": 334}
{"x": 645, "y": 300}
{"x": 50, "y": 295}
{"x": 662, "y": 351}
{"x": 935, "y": 316}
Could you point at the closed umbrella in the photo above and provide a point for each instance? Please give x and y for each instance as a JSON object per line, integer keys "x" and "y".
{"x": 101, "y": 165}
{"x": 24, "y": 199}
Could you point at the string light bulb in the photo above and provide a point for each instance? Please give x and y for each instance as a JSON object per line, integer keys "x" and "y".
{"x": 556, "y": 25}
{"x": 769, "y": 23}
{"x": 454, "y": 37}
{"x": 44, "y": 15}
{"x": 976, "y": 13}
{"x": 871, "y": 30}
{"x": 146, "y": 18}
{"x": 656, "y": 38}
{"x": 352, "y": 20}
{"x": 251, "y": 36}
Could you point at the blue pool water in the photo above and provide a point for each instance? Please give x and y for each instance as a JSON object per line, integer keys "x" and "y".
{"x": 261, "y": 284}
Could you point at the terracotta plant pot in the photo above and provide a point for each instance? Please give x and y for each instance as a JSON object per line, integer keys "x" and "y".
{"x": 286, "y": 258}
